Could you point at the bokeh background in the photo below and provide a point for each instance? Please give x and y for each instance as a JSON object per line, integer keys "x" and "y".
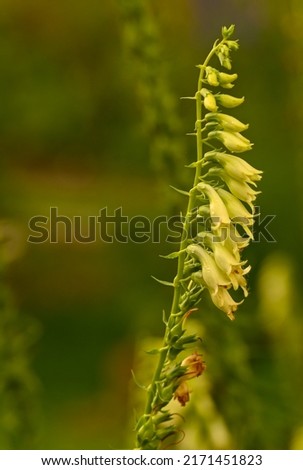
{"x": 90, "y": 117}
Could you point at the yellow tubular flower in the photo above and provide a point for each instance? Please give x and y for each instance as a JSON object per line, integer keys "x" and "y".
{"x": 224, "y": 301}
{"x": 240, "y": 189}
{"x": 228, "y": 123}
{"x": 233, "y": 141}
{"x": 218, "y": 209}
{"x": 209, "y": 100}
{"x": 225, "y": 78}
{"x": 238, "y": 280}
{"x": 213, "y": 276}
{"x": 235, "y": 208}
{"x": 212, "y": 76}
{"x": 236, "y": 167}
{"x": 225, "y": 258}
{"x": 229, "y": 101}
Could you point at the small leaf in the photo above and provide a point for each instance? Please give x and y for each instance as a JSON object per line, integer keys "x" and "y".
{"x": 164, "y": 318}
{"x": 185, "y": 193}
{"x": 165, "y": 283}
{"x": 173, "y": 255}
{"x": 153, "y": 352}
{"x": 194, "y": 164}
{"x": 143, "y": 387}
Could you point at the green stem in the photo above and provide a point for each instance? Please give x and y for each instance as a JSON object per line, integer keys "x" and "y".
{"x": 175, "y": 310}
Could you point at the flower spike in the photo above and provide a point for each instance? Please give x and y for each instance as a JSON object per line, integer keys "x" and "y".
{"x": 216, "y": 228}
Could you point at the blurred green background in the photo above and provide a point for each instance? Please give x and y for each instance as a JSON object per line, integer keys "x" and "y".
{"x": 90, "y": 117}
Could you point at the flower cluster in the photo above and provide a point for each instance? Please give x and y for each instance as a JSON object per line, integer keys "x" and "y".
{"x": 226, "y": 191}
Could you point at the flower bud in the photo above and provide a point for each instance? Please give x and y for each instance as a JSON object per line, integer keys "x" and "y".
{"x": 229, "y": 123}
{"x": 223, "y": 56}
{"x": 210, "y": 102}
{"x": 226, "y": 62}
{"x": 233, "y": 141}
{"x": 212, "y": 76}
{"x": 225, "y": 78}
{"x": 229, "y": 101}
{"x": 227, "y": 32}
{"x": 233, "y": 45}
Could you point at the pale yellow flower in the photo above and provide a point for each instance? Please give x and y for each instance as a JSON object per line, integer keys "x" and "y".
{"x": 233, "y": 141}
{"x": 229, "y": 101}
{"x": 236, "y": 167}
{"x": 229, "y": 123}
{"x": 224, "y": 301}
{"x": 240, "y": 189}
{"x": 209, "y": 100}
{"x": 212, "y": 276}
{"x": 217, "y": 207}
{"x": 237, "y": 211}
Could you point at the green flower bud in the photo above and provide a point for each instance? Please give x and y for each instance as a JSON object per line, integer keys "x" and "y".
{"x": 233, "y": 45}
{"x": 226, "y": 62}
{"x": 164, "y": 432}
{"x": 233, "y": 141}
{"x": 212, "y": 76}
{"x": 228, "y": 32}
{"x": 229, "y": 101}
{"x": 227, "y": 85}
{"x": 229, "y": 123}
{"x": 225, "y": 78}
{"x": 217, "y": 207}
{"x": 223, "y": 56}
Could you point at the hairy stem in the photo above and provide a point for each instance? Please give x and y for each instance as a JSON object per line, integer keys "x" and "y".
{"x": 175, "y": 310}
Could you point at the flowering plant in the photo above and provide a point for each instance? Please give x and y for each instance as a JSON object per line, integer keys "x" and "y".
{"x": 221, "y": 200}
